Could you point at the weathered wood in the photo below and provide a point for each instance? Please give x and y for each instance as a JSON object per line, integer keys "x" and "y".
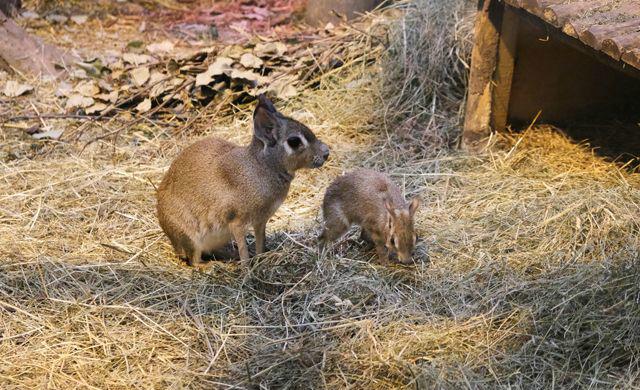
{"x": 632, "y": 57}
{"x": 504, "y": 69}
{"x": 537, "y": 7}
{"x": 558, "y": 15}
{"x": 26, "y": 53}
{"x": 484, "y": 57}
{"x": 596, "y": 34}
{"x": 616, "y": 46}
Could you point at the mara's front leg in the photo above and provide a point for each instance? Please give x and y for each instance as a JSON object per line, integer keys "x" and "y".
{"x": 259, "y": 229}
{"x": 381, "y": 249}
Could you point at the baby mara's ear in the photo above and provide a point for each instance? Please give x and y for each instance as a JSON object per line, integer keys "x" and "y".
{"x": 413, "y": 206}
{"x": 266, "y": 121}
{"x": 392, "y": 211}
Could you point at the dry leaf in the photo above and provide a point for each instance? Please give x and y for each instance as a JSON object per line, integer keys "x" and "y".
{"x": 165, "y": 86}
{"x": 51, "y": 134}
{"x": 222, "y": 65}
{"x": 160, "y": 47}
{"x": 271, "y": 49}
{"x": 247, "y": 75}
{"x": 248, "y": 60}
{"x": 78, "y": 101}
{"x": 103, "y": 84}
{"x": 203, "y": 79}
{"x": 136, "y": 59}
{"x": 284, "y": 87}
{"x": 56, "y": 18}
{"x": 95, "y": 108}
{"x": 140, "y": 76}
{"x": 233, "y": 51}
{"x": 87, "y": 88}
{"x": 110, "y": 97}
{"x": 80, "y": 19}
{"x": 156, "y": 76}
{"x": 144, "y": 106}
{"x": 30, "y": 15}
{"x": 64, "y": 89}
{"x": 13, "y": 88}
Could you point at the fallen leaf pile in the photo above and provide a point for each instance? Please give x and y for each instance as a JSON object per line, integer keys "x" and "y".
{"x": 166, "y": 79}
{"x": 145, "y": 77}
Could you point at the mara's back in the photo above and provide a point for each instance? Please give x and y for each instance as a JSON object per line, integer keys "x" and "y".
{"x": 361, "y": 193}
{"x": 187, "y": 186}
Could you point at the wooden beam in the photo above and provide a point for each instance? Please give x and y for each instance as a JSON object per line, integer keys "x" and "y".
{"x": 616, "y": 46}
{"x": 504, "y": 69}
{"x": 484, "y": 59}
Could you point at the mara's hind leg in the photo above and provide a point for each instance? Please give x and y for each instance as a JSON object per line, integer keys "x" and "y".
{"x": 259, "y": 230}
{"x": 335, "y": 226}
{"x": 239, "y": 232}
{"x": 192, "y": 250}
{"x": 178, "y": 249}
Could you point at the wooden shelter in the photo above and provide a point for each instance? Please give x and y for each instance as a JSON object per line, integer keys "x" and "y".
{"x": 559, "y": 61}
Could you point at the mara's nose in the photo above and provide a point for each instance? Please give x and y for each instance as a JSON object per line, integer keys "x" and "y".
{"x": 325, "y": 152}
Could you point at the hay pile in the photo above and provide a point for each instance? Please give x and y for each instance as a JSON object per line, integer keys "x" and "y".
{"x": 527, "y": 273}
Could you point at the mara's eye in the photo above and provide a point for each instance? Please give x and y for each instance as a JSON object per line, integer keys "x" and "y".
{"x": 393, "y": 242}
{"x": 294, "y": 142}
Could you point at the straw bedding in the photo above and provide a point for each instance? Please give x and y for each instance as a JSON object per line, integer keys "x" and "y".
{"x": 526, "y": 275}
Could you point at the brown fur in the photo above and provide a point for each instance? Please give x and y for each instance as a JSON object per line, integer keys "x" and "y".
{"x": 371, "y": 200}
{"x": 215, "y": 190}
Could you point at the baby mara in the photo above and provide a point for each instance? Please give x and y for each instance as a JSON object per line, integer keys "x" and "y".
{"x": 371, "y": 200}
{"x": 215, "y": 190}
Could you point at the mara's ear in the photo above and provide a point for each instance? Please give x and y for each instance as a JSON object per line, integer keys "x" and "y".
{"x": 264, "y": 102}
{"x": 265, "y": 121}
{"x": 413, "y": 206}
{"x": 389, "y": 207}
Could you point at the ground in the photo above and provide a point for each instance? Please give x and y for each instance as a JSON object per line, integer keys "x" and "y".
{"x": 526, "y": 273}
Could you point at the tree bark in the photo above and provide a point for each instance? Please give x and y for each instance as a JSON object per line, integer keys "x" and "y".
{"x": 28, "y": 54}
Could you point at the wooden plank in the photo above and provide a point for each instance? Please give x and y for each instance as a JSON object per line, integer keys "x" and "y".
{"x": 559, "y": 15}
{"x": 504, "y": 69}
{"x": 537, "y": 7}
{"x": 632, "y": 57}
{"x": 484, "y": 55}
{"x": 616, "y": 46}
{"x": 594, "y": 36}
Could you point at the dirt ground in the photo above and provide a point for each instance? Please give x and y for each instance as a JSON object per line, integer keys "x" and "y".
{"x": 526, "y": 274}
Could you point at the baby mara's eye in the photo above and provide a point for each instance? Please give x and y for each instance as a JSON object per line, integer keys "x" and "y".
{"x": 294, "y": 142}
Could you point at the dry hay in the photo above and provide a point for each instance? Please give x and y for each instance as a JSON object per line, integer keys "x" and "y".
{"x": 527, "y": 273}
{"x": 426, "y": 69}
